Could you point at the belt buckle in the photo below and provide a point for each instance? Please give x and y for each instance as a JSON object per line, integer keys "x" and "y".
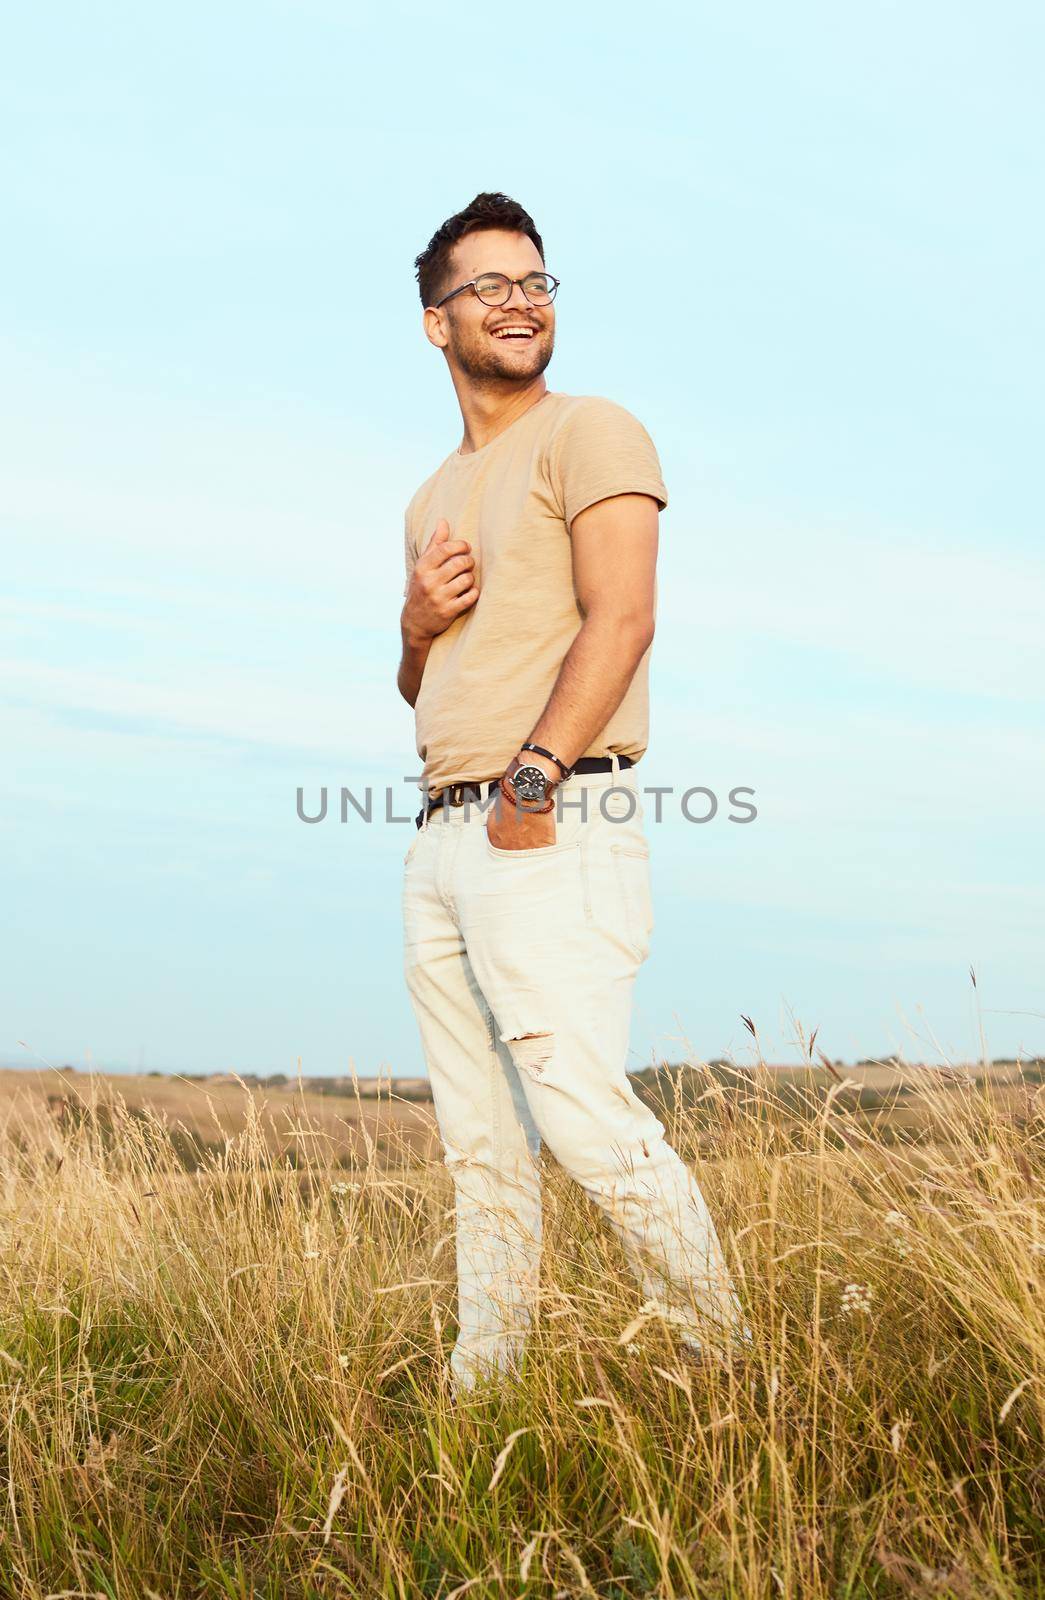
{"x": 456, "y": 793}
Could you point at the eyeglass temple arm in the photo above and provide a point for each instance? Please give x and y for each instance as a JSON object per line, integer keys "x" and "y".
{"x": 459, "y": 290}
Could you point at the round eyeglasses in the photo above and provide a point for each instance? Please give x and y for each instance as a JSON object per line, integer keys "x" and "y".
{"x": 495, "y": 288}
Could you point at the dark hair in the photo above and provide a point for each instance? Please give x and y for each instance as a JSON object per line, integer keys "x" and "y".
{"x": 485, "y": 211}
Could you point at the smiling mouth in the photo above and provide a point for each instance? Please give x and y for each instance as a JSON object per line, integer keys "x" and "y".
{"x": 521, "y": 331}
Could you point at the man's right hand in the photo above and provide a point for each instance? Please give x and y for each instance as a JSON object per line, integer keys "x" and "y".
{"x": 442, "y": 586}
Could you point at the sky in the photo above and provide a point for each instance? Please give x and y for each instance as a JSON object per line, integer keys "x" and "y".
{"x": 803, "y": 245}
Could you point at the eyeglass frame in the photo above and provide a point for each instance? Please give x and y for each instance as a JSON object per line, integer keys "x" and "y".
{"x": 511, "y": 285}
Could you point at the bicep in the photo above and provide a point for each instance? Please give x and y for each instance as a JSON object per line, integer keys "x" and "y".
{"x": 615, "y": 554}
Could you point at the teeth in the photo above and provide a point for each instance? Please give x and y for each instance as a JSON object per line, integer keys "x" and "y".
{"x": 513, "y": 333}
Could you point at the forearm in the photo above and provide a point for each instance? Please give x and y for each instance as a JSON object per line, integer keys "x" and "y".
{"x": 412, "y": 665}
{"x": 592, "y": 681}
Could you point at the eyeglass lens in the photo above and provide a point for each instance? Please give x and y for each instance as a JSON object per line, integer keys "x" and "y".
{"x": 494, "y": 288}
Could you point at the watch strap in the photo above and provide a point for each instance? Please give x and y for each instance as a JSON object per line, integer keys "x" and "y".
{"x": 539, "y": 750}
{"x": 508, "y": 790}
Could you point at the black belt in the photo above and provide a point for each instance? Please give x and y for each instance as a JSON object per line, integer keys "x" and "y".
{"x": 455, "y": 794}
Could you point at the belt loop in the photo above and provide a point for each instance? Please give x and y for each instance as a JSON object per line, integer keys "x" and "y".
{"x": 614, "y": 769}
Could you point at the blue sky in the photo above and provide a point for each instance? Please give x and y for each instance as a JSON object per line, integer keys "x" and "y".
{"x": 802, "y": 244}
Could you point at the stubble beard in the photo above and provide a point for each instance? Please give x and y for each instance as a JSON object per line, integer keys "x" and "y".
{"x": 481, "y": 361}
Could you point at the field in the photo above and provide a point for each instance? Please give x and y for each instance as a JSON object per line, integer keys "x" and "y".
{"x": 225, "y": 1312}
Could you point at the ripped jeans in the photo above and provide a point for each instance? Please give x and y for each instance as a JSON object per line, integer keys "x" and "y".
{"x": 520, "y": 966}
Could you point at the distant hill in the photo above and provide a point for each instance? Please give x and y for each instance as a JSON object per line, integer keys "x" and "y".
{"x": 665, "y": 1084}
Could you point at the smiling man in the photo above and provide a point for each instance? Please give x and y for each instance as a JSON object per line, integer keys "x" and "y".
{"x": 527, "y": 626}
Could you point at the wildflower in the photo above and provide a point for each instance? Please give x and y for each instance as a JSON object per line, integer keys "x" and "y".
{"x": 856, "y": 1297}
{"x": 633, "y": 1349}
{"x": 896, "y": 1223}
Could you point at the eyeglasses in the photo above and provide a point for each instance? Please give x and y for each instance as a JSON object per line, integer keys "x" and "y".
{"x": 495, "y": 288}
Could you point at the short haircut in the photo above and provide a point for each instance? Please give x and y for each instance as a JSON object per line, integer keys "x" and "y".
{"x": 485, "y": 211}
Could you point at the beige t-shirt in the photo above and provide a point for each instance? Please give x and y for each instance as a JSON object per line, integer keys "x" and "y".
{"x": 488, "y": 676}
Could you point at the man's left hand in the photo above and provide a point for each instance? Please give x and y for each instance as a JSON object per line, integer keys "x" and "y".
{"x": 509, "y": 827}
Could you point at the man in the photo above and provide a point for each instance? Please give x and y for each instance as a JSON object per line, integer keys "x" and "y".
{"x": 527, "y": 626}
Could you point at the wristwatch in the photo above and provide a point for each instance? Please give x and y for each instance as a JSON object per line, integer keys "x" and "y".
{"x": 530, "y": 784}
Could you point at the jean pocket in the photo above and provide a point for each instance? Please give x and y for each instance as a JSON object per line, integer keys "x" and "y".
{"x": 568, "y": 829}
{"x": 631, "y": 864}
{"x": 533, "y": 853}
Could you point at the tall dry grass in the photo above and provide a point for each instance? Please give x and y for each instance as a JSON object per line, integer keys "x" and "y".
{"x": 231, "y": 1381}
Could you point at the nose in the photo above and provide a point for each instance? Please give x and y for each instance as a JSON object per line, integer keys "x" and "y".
{"x": 517, "y": 301}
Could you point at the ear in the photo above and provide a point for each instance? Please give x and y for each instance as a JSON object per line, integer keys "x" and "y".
{"x": 435, "y": 327}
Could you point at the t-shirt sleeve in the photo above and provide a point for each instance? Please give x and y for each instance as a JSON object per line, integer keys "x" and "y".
{"x": 602, "y": 450}
{"x": 409, "y": 554}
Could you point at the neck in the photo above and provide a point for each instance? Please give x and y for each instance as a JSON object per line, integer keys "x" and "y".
{"x": 487, "y": 411}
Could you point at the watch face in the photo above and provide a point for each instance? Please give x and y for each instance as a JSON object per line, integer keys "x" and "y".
{"x": 530, "y": 783}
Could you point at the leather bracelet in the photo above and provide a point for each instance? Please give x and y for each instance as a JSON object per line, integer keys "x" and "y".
{"x": 539, "y": 750}
{"x": 509, "y": 793}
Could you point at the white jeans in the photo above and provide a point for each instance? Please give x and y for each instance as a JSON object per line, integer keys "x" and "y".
{"x": 520, "y": 966}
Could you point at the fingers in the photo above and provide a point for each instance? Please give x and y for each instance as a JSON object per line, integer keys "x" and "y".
{"x": 463, "y": 601}
{"x": 441, "y": 547}
{"x": 434, "y": 579}
{"x": 454, "y": 565}
{"x": 438, "y": 553}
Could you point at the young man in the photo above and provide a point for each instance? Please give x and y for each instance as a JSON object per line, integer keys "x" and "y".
{"x": 527, "y": 625}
